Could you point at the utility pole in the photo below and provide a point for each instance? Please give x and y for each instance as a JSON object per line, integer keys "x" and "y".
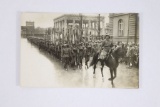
{"x": 136, "y": 27}
{"x": 99, "y": 29}
{"x": 128, "y": 29}
{"x": 62, "y": 35}
{"x": 81, "y": 27}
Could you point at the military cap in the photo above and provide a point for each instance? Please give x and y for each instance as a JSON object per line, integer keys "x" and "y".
{"x": 107, "y": 36}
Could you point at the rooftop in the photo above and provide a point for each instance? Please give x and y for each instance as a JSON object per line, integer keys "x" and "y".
{"x": 78, "y": 15}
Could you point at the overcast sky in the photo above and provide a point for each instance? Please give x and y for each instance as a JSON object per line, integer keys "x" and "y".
{"x": 45, "y": 20}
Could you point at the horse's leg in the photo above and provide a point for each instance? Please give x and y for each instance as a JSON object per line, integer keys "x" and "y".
{"x": 102, "y": 63}
{"x": 86, "y": 61}
{"x": 111, "y": 72}
{"x": 115, "y": 73}
{"x": 77, "y": 62}
{"x": 111, "y": 79}
{"x": 94, "y": 67}
{"x": 67, "y": 63}
{"x": 74, "y": 63}
{"x": 80, "y": 65}
{"x": 81, "y": 61}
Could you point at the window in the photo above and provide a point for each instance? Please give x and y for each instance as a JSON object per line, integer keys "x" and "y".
{"x": 120, "y": 27}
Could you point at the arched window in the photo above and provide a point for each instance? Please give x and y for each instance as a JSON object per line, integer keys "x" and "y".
{"x": 120, "y": 27}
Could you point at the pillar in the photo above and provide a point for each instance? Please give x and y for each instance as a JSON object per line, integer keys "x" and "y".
{"x": 103, "y": 27}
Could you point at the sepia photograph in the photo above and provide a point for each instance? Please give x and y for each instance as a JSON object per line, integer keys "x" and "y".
{"x": 79, "y": 53}
{"x": 79, "y": 50}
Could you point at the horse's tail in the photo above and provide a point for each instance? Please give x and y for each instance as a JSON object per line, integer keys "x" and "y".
{"x": 95, "y": 58}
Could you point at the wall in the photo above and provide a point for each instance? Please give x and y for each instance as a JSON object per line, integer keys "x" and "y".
{"x": 131, "y": 22}
{"x": 115, "y": 25}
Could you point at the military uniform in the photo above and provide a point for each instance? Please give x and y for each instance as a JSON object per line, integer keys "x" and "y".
{"x": 65, "y": 55}
{"x": 129, "y": 54}
{"x": 80, "y": 53}
{"x": 106, "y": 48}
{"x": 74, "y": 52}
{"x": 95, "y": 49}
{"x": 87, "y": 53}
{"x": 59, "y": 51}
{"x": 88, "y": 49}
{"x": 106, "y": 45}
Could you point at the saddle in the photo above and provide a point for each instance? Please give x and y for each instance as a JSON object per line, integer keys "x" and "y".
{"x": 104, "y": 54}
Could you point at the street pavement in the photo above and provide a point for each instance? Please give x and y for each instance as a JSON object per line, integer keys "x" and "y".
{"x": 39, "y": 69}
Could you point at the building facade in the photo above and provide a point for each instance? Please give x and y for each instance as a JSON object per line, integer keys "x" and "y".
{"x": 23, "y": 31}
{"x": 124, "y": 27}
{"x": 40, "y": 32}
{"x": 107, "y": 29}
{"x": 30, "y": 28}
{"x": 73, "y": 27}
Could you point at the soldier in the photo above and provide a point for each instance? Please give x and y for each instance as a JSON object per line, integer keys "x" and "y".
{"x": 80, "y": 54}
{"x": 87, "y": 53}
{"x": 130, "y": 56}
{"x": 74, "y": 55}
{"x": 95, "y": 49}
{"x": 65, "y": 55}
{"x": 58, "y": 51}
{"x": 88, "y": 49}
{"x": 105, "y": 47}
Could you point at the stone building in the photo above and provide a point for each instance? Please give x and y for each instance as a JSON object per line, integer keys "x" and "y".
{"x": 107, "y": 29}
{"x": 23, "y": 31}
{"x": 29, "y": 28}
{"x": 124, "y": 27}
{"x": 49, "y": 34}
{"x": 73, "y": 27}
{"x": 40, "y": 32}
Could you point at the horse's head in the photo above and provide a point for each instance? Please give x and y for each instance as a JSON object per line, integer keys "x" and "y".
{"x": 119, "y": 51}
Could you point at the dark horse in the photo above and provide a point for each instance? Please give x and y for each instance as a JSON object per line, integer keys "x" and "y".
{"x": 110, "y": 61}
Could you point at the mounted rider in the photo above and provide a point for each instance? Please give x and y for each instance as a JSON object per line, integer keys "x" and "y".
{"x": 106, "y": 47}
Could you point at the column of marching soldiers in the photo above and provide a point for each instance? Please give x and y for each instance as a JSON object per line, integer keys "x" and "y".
{"x": 71, "y": 55}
